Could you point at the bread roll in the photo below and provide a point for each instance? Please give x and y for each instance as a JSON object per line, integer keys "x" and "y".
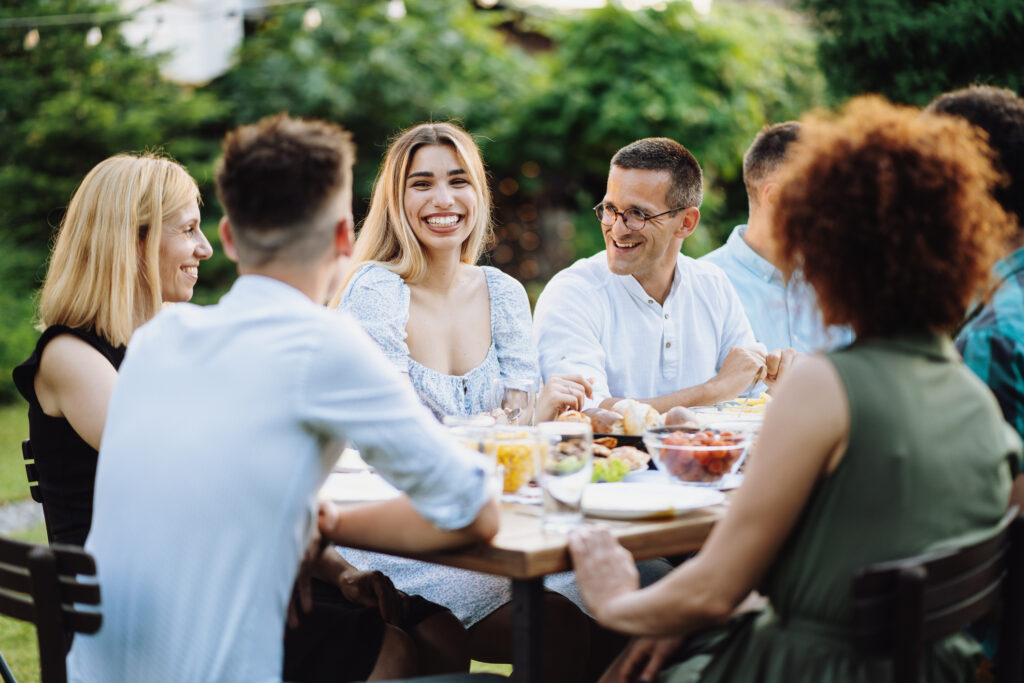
{"x": 681, "y": 416}
{"x": 605, "y": 421}
{"x": 634, "y": 457}
{"x": 574, "y": 416}
{"x": 636, "y": 416}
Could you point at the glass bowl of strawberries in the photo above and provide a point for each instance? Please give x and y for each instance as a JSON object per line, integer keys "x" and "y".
{"x": 700, "y": 456}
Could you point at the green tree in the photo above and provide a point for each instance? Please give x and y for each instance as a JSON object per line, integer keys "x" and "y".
{"x": 377, "y": 74}
{"x": 65, "y": 106}
{"x": 912, "y": 50}
{"x": 710, "y": 82}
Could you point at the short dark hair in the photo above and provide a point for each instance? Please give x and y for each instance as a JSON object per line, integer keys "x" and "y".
{"x": 890, "y": 216}
{"x": 1000, "y": 113}
{"x": 766, "y": 153}
{"x": 662, "y": 154}
{"x": 276, "y": 176}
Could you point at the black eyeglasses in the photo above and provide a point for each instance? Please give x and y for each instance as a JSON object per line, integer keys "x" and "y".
{"x": 633, "y": 219}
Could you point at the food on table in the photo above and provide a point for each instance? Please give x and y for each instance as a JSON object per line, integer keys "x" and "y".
{"x": 681, "y": 416}
{"x": 573, "y": 416}
{"x": 634, "y": 457}
{"x": 609, "y": 469}
{"x": 517, "y": 453}
{"x": 607, "y": 442}
{"x": 636, "y": 416}
{"x": 601, "y": 450}
{"x": 701, "y": 457}
{"x": 605, "y": 421}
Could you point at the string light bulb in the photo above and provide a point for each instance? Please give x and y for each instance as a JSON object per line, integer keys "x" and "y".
{"x": 94, "y": 37}
{"x": 312, "y": 18}
{"x": 31, "y": 39}
{"x": 396, "y": 10}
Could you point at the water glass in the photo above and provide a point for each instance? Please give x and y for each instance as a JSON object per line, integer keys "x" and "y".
{"x": 515, "y": 398}
{"x": 567, "y": 462}
{"x": 478, "y": 435}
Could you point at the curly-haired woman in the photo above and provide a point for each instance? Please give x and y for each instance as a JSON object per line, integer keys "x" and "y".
{"x": 884, "y": 449}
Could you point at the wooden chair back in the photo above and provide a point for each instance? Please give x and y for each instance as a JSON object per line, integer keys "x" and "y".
{"x": 40, "y": 584}
{"x": 899, "y": 607}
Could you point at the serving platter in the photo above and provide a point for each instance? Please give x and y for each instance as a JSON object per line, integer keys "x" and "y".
{"x": 646, "y": 499}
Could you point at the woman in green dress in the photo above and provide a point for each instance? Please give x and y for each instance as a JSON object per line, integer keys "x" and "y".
{"x": 885, "y": 449}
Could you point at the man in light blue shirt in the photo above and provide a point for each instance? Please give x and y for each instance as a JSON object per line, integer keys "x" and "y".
{"x": 782, "y": 314}
{"x": 225, "y": 421}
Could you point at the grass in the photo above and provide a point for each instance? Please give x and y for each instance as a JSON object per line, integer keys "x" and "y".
{"x": 13, "y": 429}
{"x": 18, "y": 638}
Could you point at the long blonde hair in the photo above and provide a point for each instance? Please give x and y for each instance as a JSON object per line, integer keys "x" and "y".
{"x": 104, "y": 271}
{"x": 386, "y": 236}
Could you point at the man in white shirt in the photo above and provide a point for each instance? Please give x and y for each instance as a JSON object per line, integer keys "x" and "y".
{"x": 640, "y": 318}
{"x": 783, "y": 313}
{"x": 225, "y": 421}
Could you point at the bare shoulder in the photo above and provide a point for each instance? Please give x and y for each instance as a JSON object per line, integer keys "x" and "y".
{"x": 68, "y": 360}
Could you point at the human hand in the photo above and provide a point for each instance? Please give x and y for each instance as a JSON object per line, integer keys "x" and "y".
{"x": 563, "y": 392}
{"x": 373, "y": 588}
{"x": 739, "y": 370}
{"x": 604, "y": 569}
{"x": 777, "y": 363}
{"x": 643, "y": 658}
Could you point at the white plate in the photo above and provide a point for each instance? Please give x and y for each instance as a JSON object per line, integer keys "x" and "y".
{"x": 642, "y": 500}
{"x": 357, "y": 487}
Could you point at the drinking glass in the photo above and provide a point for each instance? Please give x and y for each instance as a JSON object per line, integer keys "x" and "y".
{"x": 516, "y": 398}
{"x": 567, "y": 462}
{"x": 476, "y": 432}
{"x": 517, "y": 450}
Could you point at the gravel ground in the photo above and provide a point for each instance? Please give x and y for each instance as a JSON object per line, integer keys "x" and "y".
{"x": 21, "y": 515}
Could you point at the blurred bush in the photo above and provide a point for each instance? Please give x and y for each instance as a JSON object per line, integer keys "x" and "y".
{"x": 912, "y": 50}
{"x": 614, "y": 76}
{"x": 64, "y": 107}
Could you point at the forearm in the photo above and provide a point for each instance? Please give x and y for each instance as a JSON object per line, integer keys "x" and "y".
{"x": 396, "y": 525}
{"x": 681, "y": 603}
{"x": 705, "y": 394}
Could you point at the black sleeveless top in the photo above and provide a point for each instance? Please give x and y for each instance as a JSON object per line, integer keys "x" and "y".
{"x": 66, "y": 464}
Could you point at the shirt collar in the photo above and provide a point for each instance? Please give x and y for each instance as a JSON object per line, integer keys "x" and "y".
{"x": 1011, "y": 264}
{"x": 636, "y": 290}
{"x": 260, "y": 288}
{"x": 749, "y": 258}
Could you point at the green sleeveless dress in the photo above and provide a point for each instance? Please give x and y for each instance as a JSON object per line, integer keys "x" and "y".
{"x": 929, "y": 464}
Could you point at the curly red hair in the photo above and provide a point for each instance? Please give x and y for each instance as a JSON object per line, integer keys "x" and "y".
{"x": 889, "y": 214}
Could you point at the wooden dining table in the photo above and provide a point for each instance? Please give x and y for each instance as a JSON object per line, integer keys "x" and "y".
{"x": 522, "y": 552}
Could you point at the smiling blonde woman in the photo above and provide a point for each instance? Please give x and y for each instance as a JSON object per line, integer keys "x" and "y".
{"x": 129, "y": 242}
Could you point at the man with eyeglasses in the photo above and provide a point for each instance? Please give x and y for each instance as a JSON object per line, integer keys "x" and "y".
{"x": 640, "y": 318}
{"x": 783, "y": 312}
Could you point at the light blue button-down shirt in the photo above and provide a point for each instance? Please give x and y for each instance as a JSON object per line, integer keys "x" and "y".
{"x": 224, "y": 422}
{"x": 783, "y": 315}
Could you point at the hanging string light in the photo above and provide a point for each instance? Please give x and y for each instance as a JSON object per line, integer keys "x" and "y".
{"x": 94, "y": 36}
{"x": 312, "y": 18}
{"x": 396, "y": 10}
{"x": 31, "y": 39}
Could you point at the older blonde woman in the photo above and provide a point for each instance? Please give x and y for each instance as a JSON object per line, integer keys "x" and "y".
{"x": 129, "y": 242}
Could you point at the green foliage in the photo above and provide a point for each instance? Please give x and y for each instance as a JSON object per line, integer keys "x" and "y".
{"x": 912, "y": 50}
{"x": 13, "y": 429}
{"x": 377, "y": 76}
{"x": 709, "y": 82}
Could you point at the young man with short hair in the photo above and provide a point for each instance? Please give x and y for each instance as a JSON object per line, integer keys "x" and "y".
{"x": 783, "y": 313}
{"x": 225, "y": 420}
